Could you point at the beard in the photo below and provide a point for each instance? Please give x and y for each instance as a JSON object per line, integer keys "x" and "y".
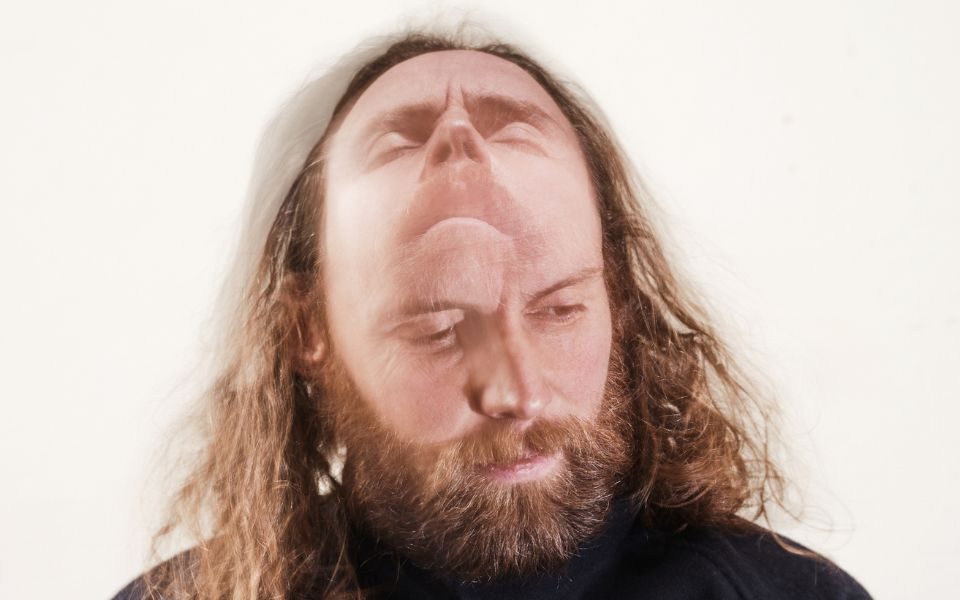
{"x": 437, "y": 505}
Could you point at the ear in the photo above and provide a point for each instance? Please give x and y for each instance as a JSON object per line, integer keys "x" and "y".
{"x": 306, "y": 341}
{"x": 314, "y": 348}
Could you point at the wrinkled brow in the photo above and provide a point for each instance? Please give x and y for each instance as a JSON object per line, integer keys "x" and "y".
{"x": 495, "y": 109}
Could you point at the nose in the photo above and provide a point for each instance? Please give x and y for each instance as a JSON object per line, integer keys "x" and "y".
{"x": 455, "y": 139}
{"x": 507, "y": 382}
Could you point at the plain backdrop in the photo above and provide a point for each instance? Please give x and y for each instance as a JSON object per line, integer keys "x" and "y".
{"x": 805, "y": 156}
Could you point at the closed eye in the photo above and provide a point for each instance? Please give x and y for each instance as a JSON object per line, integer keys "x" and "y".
{"x": 559, "y": 314}
{"x": 431, "y": 332}
{"x": 439, "y": 340}
{"x": 391, "y": 144}
{"x": 518, "y": 133}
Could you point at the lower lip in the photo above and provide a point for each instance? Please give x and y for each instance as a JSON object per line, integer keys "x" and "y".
{"x": 530, "y": 468}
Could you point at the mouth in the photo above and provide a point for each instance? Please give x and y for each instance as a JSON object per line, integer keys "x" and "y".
{"x": 530, "y": 467}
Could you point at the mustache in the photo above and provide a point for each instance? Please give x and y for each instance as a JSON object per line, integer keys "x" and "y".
{"x": 509, "y": 444}
{"x": 472, "y": 192}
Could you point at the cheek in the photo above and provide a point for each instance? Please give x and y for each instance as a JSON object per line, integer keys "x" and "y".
{"x": 361, "y": 209}
{"x": 550, "y": 188}
{"x": 430, "y": 411}
{"x": 424, "y": 400}
{"x": 420, "y": 402}
{"x": 578, "y": 364}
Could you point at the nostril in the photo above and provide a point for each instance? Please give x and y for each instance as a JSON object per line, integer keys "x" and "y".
{"x": 456, "y": 139}
{"x": 442, "y": 153}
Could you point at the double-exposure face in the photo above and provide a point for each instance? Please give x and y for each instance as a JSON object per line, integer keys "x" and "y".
{"x": 468, "y": 316}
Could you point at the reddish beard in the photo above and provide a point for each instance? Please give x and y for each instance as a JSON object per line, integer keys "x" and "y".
{"x": 437, "y": 506}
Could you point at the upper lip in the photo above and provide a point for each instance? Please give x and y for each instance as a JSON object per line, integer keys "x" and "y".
{"x": 527, "y": 457}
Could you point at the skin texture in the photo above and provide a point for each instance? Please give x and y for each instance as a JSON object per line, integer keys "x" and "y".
{"x": 462, "y": 260}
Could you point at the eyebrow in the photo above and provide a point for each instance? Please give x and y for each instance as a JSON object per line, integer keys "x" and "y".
{"x": 400, "y": 116}
{"x": 506, "y": 108}
{"x": 418, "y": 307}
{"x": 509, "y": 108}
{"x": 576, "y": 278}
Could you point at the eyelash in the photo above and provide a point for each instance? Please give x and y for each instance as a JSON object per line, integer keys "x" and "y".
{"x": 513, "y": 138}
{"x": 560, "y": 314}
{"x": 439, "y": 341}
{"x": 446, "y": 339}
{"x": 512, "y": 130}
{"x": 394, "y": 152}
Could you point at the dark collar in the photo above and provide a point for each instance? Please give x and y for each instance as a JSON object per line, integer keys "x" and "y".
{"x": 391, "y": 576}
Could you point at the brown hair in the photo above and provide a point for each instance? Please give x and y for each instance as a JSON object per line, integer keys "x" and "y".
{"x": 263, "y": 502}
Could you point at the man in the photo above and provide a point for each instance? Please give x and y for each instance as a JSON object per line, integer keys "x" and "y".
{"x": 464, "y": 369}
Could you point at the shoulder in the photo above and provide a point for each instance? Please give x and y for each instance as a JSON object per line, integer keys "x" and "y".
{"x": 758, "y": 566}
{"x": 747, "y": 563}
{"x": 137, "y": 589}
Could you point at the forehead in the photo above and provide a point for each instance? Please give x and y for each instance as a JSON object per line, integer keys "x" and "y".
{"x": 438, "y": 78}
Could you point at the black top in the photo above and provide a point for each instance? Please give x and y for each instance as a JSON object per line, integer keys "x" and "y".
{"x": 628, "y": 561}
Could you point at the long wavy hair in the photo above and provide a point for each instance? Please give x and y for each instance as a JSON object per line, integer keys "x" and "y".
{"x": 262, "y": 503}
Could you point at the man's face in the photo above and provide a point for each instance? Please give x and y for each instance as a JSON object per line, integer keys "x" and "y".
{"x": 463, "y": 263}
{"x": 463, "y": 268}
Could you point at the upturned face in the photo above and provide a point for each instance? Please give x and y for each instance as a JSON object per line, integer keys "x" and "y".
{"x": 463, "y": 268}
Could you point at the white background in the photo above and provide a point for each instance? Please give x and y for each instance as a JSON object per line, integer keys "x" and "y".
{"x": 805, "y": 155}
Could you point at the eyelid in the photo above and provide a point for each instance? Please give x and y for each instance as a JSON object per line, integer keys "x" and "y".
{"x": 432, "y": 333}
{"x": 568, "y": 312}
{"x": 526, "y": 137}
{"x": 427, "y": 324}
{"x": 376, "y": 157}
{"x": 403, "y": 141}
{"x": 522, "y": 125}
{"x": 527, "y": 131}
{"x": 573, "y": 299}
